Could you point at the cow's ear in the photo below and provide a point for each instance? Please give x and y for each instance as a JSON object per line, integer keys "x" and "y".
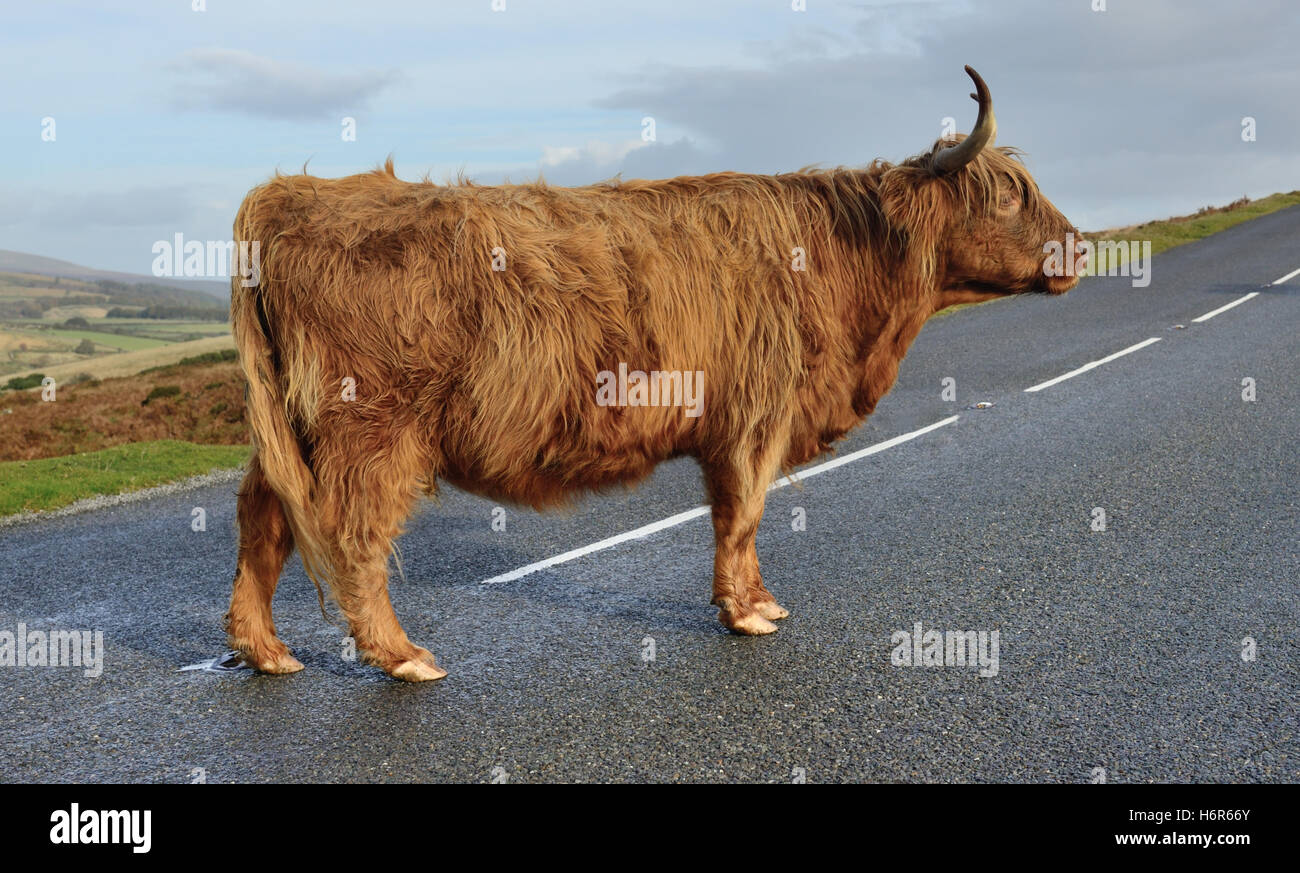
{"x": 916, "y": 205}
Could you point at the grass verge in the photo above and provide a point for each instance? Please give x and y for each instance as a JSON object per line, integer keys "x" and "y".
{"x": 1171, "y": 232}
{"x": 52, "y": 483}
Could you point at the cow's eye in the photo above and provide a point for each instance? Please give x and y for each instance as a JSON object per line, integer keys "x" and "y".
{"x": 1006, "y": 201}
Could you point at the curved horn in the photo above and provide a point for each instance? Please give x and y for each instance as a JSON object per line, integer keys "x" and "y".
{"x": 955, "y": 157}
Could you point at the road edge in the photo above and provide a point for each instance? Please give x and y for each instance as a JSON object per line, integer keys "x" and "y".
{"x": 105, "y": 501}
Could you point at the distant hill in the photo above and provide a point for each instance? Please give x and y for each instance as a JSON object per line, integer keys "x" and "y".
{"x": 20, "y": 262}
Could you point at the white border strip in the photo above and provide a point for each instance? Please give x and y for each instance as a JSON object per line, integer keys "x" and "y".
{"x": 860, "y": 453}
{"x": 1240, "y": 300}
{"x": 1086, "y": 367}
{"x": 690, "y": 514}
{"x": 609, "y": 543}
{"x": 1290, "y": 275}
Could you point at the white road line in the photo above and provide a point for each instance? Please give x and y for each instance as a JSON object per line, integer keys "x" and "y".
{"x": 1086, "y": 367}
{"x": 688, "y": 515}
{"x": 1240, "y": 300}
{"x": 860, "y": 453}
{"x": 609, "y": 543}
{"x": 1290, "y": 275}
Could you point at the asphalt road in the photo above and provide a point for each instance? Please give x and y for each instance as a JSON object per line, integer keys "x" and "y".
{"x": 1119, "y": 649}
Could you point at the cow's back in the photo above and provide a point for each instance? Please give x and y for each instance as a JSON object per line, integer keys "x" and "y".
{"x": 485, "y": 315}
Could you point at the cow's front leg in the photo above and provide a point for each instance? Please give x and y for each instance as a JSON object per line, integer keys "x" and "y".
{"x": 369, "y": 495}
{"x": 738, "y": 495}
{"x": 764, "y": 602}
{"x": 362, "y": 593}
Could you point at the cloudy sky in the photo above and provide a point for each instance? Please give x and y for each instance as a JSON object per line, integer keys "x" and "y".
{"x": 164, "y": 116}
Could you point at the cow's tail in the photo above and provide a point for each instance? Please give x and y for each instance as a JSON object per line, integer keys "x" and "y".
{"x": 275, "y": 440}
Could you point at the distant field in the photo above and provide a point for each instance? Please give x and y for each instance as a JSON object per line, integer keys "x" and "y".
{"x": 61, "y": 313}
{"x": 20, "y": 349}
{"x": 35, "y": 335}
{"x": 129, "y": 363}
{"x": 113, "y": 340}
{"x": 28, "y": 349}
{"x": 42, "y": 279}
{"x": 149, "y": 323}
{"x": 173, "y": 331}
{"x": 165, "y": 330}
{"x": 12, "y": 338}
{"x": 7, "y": 290}
{"x": 28, "y": 285}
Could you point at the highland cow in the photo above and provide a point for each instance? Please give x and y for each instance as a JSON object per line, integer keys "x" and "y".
{"x": 404, "y": 333}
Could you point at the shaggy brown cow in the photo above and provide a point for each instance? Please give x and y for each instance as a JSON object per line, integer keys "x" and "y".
{"x": 407, "y": 332}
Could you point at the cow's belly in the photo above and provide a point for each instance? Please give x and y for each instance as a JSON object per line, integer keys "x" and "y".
{"x": 557, "y": 481}
{"x": 515, "y": 462}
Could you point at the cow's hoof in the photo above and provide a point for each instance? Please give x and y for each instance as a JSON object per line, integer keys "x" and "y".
{"x": 751, "y": 624}
{"x": 276, "y": 664}
{"x": 422, "y": 668}
{"x": 771, "y": 610}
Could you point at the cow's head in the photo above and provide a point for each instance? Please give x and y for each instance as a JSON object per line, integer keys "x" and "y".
{"x": 974, "y": 219}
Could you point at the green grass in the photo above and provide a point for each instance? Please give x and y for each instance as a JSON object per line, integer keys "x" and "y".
{"x": 51, "y": 483}
{"x": 177, "y": 336}
{"x": 161, "y": 323}
{"x": 160, "y": 329}
{"x": 1172, "y": 232}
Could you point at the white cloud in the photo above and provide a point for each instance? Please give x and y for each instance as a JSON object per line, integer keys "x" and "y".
{"x": 594, "y": 152}
{"x": 240, "y": 81}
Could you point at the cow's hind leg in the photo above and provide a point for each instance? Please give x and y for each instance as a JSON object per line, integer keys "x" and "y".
{"x": 370, "y": 500}
{"x": 265, "y": 541}
{"x": 738, "y": 491}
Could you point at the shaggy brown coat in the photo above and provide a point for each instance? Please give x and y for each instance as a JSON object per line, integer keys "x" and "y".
{"x": 487, "y": 378}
